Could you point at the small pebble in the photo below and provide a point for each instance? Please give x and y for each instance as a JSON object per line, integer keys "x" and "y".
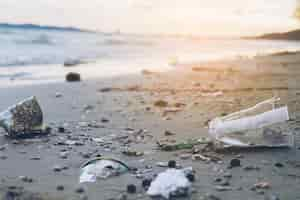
{"x": 60, "y": 187}
{"x": 131, "y": 189}
{"x": 235, "y": 163}
{"x": 227, "y": 175}
{"x": 35, "y": 158}
{"x": 191, "y": 177}
{"x": 57, "y": 168}
{"x": 146, "y": 183}
{"x": 169, "y": 133}
{"x": 218, "y": 180}
{"x": 80, "y": 190}
{"x": 172, "y": 164}
{"x": 26, "y": 179}
{"x": 104, "y": 120}
{"x": 61, "y": 129}
{"x": 279, "y": 165}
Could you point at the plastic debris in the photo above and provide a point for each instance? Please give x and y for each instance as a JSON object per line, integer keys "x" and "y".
{"x": 171, "y": 183}
{"x": 23, "y": 118}
{"x": 189, "y": 144}
{"x": 212, "y": 94}
{"x": 100, "y": 168}
{"x": 251, "y": 127}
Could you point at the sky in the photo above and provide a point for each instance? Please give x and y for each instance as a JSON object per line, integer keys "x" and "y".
{"x": 197, "y": 17}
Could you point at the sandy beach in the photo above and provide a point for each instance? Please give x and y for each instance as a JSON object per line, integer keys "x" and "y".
{"x": 120, "y": 113}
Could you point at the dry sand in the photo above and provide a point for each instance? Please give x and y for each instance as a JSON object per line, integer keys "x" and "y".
{"x": 131, "y": 105}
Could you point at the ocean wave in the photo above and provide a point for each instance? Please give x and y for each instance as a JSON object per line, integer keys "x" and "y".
{"x": 121, "y": 42}
{"x": 26, "y": 61}
{"x": 42, "y": 39}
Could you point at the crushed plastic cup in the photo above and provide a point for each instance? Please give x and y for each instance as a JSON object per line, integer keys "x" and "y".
{"x": 25, "y": 117}
{"x": 101, "y": 168}
{"x": 263, "y": 125}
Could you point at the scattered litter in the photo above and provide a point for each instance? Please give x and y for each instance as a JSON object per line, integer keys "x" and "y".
{"x": 101, "y": 168}
{"x": 23, "y": 118}
{"x": 245, "y": 129}
{"x": 201, "y": 157}
{"x": 129, "y": 152}
{"x": 162, "y": 164}
{"x": 171, "y": 183}
{"x": 168, "y": 146}
{"x": 262, "y": 185}
{"x": 212, "y": 94}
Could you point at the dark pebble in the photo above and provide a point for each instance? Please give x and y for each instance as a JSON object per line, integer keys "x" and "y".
{"x": 60, "y": 187}
{"x": 191, "y": 177}
{"x": 169, "y": 133}
{"x": 61, "y": 129}
{"x": 146, "y": 183}
{"x": 172, "y": 164}
{"x": 104, "y": 120}
{"x": 218, "y": 180}
{"x": 279, "y": 165}
{"x": 131, "y": 189}
{"x": 235, "y": 163}
{"x": 73, "y": 77}
{"x": 80, "y": 190}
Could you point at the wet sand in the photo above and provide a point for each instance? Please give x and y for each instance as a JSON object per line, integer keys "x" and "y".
{"x": 125, "y": 115}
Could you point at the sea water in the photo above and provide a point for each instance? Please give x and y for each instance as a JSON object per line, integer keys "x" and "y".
{"x": 35, "y": 55}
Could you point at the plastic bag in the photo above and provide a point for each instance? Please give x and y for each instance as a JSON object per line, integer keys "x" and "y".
{"x": 172, "y": 182}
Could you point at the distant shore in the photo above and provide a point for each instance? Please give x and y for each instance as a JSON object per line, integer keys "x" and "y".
{"x": 290, "y": 35}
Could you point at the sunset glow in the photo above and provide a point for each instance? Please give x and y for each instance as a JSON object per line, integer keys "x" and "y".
{"x": 214, "y": 17}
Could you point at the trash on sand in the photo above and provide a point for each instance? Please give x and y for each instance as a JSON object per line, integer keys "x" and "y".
{"x": 100, "y": 168}
{"x": 171, "y": 183}
{"x": 262, "y": 185}
{"x": 212, "y": 94}
{"x": 247, "y": 128}
{"x": 133, "y": 153}
{"x": 23, "y": 118}
{"x": 167, "y": 146}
